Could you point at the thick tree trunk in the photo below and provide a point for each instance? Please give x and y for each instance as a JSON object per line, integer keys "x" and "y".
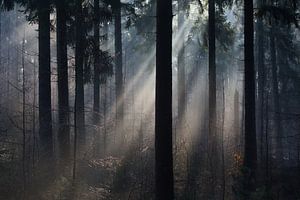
{"x": 45, "y": 118}
{"x": 119, "y": 67}
{"x": 212, "y": 68}
{"x": 163, "y": 103}
{"x": 96, "y": 59}
{"x": 212, "y": 97}
{"x": 79, "y": 51}
{"x": 250, "y": 157}
{"x": 62, "y": 79}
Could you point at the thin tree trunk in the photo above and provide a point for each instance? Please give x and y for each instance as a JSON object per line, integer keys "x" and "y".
{"x": 104, "y": 120}
{"x": 164, "y": 183}
{"x": 8, "y": 104}
{"x": 75, "y": 138}
{"x": 1, "y": 95}
{"x": 1, "y": 42}
{"x": 237, "y": 130}
{"x": 23, "y": 119}
{"x": 267, "y": 167}
{"x": 34, "y": 116}
{"x": 96, "y": 106}
{"x": 260, "y": 79}
{"x": 250, "y": 157}
{"x": 276, "y": 103}
{"x": 79, "y": 51}
{"x": 96, "y": 59}
{"x": 222, "y": 142}
{"x": 62, "y": 79}
{"x": 181, "y": 63}
{"x": 119, "y": 68}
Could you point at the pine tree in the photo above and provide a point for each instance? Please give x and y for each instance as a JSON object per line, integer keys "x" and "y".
{"x": 62, "y": 77}
{"x": 250, "y": 157}
{"x": 163, "y": 103}
{"x": 45, "y": 119}
{"x": 79, "y": 79}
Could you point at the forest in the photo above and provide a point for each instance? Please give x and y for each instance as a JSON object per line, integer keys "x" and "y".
{"x": 149, "y": 99}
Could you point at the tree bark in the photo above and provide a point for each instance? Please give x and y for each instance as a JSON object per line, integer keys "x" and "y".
{"x": 79, "y": 51}
{"x": 118, "y": 66}
{"x": 62, "y": 78}
{"x": 164, "y": 184}
{"x": 250, "y": 157}
{"x": 237, "y": 129}
{"x": 45, "y": 119}
{"x": 96, "y": 59}
{"x": 181, "y": 64}
{"x": 261, "y": 80}
{"x": 212, "y": 140}
{"x": 212, "y": 68}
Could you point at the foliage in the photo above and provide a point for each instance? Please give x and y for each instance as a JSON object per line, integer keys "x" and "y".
{"x": 225, "y": 33}
{"x": 283, "y": 15}
{"x": 7, "y": 4}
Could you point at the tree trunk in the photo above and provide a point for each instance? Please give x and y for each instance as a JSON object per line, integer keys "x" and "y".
{"x": 222, "y": 143}
{"x": 237, "y": 130}
{"x": 45, "y": 118}
{"x": 250, "y": 157}
{"x": 62, "y": 79}
{"x": 79, "y": 51}
{"x": 276, "y": 103}
{"x": 118, "y": 67}
{"x": 267, "y": 144}
{"x": 104, "y": 119}
{"x": 96, "y": 59}
{"x": 261, "y": 80}
{"x": 212, "y": 96}
{"x": 24, "y": 120}
{"x": 212, "y": 69}
{"x": 181, "y": 64}
{"x": 163, "y": 103}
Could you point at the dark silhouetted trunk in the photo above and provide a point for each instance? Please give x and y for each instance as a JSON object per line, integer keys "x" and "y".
{"x": 79, "y": 51}
{"x": 181, "y": 63}
{"x": 261, "y": 80}
{"x": 250, "y": 157}
{"x": 212, "y": 69}
{"x": 104, "y": 119}
{"x": 163, "y": 103}
{"x": 212, "y": 94}
{"x": 118, "y": 66}
{"x": 222, "y": 143}
{"x": 75, "y": 137}
{"x": 0, "y": 44}
{"x": 96, "y": 59}
{"x": 236, "y": 123}
{"x": 34, "y": 117}
{"x": 45, "y": 118}
{"x": 62, "y": 78}
{"x": 96, "y": 105}
{"x": 267, "y": 144}
{"x": 24, "y": 119}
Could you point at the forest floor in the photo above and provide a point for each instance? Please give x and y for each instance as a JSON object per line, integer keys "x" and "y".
{"x": 94, "y": 180}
